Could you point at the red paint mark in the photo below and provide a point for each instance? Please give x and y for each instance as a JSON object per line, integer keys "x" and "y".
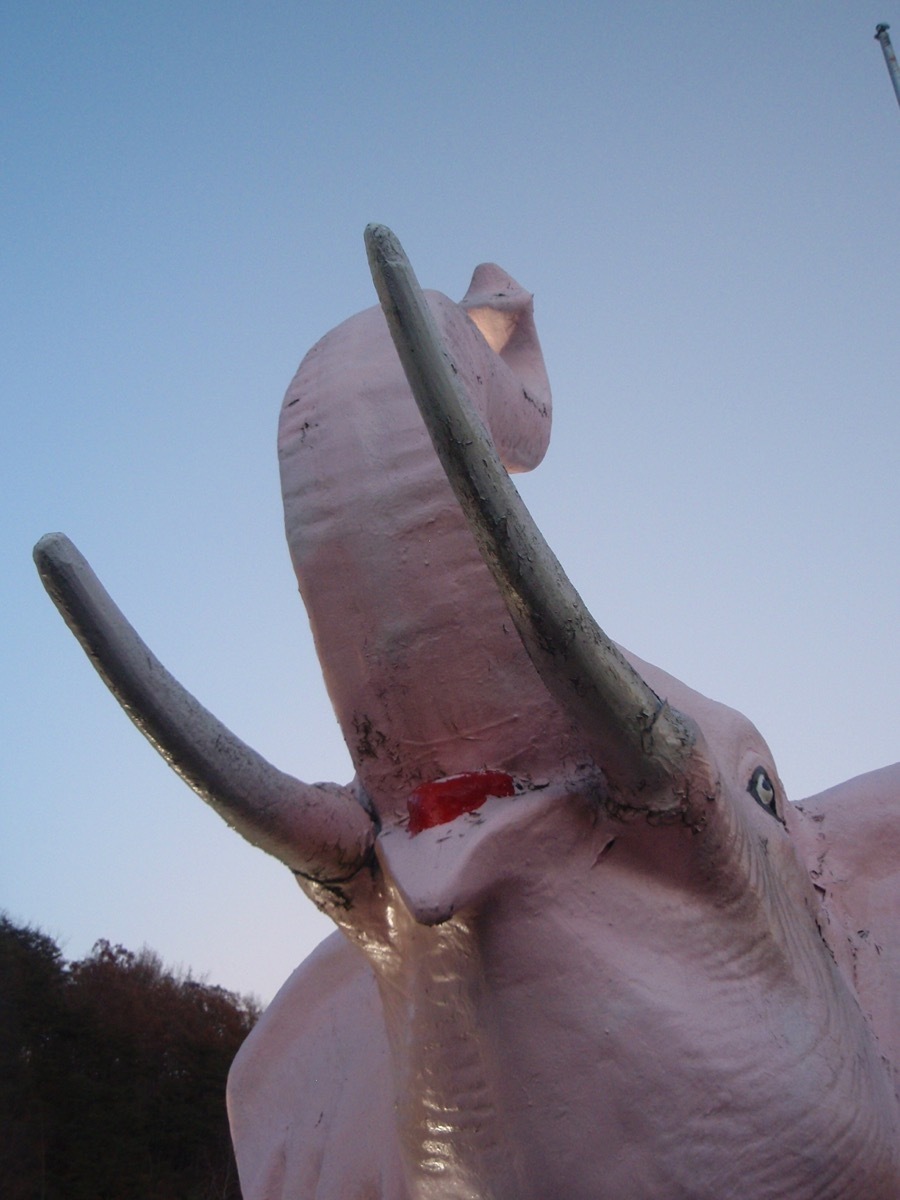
{"x": 446, "y": 799}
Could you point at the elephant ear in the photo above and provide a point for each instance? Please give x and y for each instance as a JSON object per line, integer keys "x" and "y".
{"x": 503, "y": 312}
{"x": 850, "y": 836}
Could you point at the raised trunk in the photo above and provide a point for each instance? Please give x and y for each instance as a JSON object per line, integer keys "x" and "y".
{"x": 425, "y": 669}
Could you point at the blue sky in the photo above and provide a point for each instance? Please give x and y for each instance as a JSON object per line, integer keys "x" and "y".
{"x": 705, "y": 199}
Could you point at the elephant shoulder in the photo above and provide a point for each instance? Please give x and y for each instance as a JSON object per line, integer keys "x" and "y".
{"x": 309, "y": 1093}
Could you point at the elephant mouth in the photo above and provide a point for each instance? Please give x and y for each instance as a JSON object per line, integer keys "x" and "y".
{"x": 443, "y": 800}
{"x": 449, "y": 866}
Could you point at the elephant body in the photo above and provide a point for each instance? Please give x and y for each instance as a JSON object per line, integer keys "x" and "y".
{"x": 586, "y": 949}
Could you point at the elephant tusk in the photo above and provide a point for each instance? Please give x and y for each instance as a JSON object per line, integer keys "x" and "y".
{"x": 320, "y": 831}
{"x": 638, "y": 739}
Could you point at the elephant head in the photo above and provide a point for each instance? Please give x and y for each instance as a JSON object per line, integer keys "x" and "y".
{"x": 587, "y": 948}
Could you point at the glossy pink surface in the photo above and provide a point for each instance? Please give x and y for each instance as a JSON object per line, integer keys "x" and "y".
{"x": 548, "y": 997}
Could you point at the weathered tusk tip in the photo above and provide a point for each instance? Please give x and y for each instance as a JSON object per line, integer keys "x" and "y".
{"x": 49, "y": 549}
{"x": 382, "y": 243}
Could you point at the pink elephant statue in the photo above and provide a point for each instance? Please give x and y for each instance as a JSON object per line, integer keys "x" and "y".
{"x": 586, "y": 949}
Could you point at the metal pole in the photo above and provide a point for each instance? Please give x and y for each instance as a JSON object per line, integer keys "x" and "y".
{"x": 881, "y": 35}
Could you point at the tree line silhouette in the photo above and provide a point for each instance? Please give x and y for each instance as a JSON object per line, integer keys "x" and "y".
{"x": 112, "y": 1075}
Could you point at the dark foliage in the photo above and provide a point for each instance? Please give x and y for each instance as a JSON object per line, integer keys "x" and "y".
{"x": 112, "y": 1075}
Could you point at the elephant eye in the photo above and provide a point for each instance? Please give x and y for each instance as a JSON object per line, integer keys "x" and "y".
{"x": 762, "y": 790}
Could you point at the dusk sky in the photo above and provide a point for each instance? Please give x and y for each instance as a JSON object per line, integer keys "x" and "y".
{"x": 705, "y": 200}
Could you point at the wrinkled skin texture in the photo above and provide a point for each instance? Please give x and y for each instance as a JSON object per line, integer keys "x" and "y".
{"x": 549, "y": 997}
{"x": 644, "y": 974}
